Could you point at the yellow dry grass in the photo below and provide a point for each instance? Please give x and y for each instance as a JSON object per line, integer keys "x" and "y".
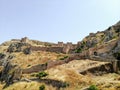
{"x": 28, "y": 86}
{"x": 3, "y": 48}
{"x": 34, "y": 58}
{"x": 70, "y": 76}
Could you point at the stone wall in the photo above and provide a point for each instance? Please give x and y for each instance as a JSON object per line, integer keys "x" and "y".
{"x": 60, "y": 44}
{"x": 35, "y": 68}
{"x": 25, "y": 40}
{"x": 49, "y": 49}
{"x": 59, "y": 48}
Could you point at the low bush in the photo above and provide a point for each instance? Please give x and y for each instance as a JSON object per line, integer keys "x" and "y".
{"x": 41, "y": 74}
{"x": 42, "y": 87}
{"x": 93, "y": 87}
{"x": 63, "y": 58}
{"x": 79, "y": 50}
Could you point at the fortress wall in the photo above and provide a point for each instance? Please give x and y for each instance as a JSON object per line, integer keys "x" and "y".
{"x": 15, "y": 39}
{"x": 34, "y": 48}
{"x": 54, "y": 63}
{"x": 35, "y": 68}
{"x": 41, "y": 67}
{"x": 49, "y": 49}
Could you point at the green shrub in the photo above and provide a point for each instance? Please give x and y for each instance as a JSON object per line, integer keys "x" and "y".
{"x": 28, "y": 65}
{"x": 63, "y": 58}
{"x": 41, "y": 74}
{"x": 42, "y": 87}
{"x": 79, "y": 50}
{"x": 93, "y": 87}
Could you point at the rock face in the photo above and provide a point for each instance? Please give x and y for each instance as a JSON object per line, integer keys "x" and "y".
{"x": 19, "y": 47}
{"x": 10, "y": 72}
{"x": 105, "y": 43}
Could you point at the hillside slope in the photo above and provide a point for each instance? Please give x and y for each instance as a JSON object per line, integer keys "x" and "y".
{"x": 31, "y": 64}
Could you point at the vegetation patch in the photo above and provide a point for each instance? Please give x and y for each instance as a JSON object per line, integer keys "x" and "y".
{"x": 63, "y": 58}
{"x": 42, "y": 87}
{"x": 79, "y": 50}
{"x": 41, "y": 74}
{"x": 93, "y": 87}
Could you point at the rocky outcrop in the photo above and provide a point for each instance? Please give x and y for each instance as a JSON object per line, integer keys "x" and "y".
{"x": 19, "y": 47}
{"x": 10, "y": 73}
{"x": 101, "y": 43}
{"x": 99, "y": 70}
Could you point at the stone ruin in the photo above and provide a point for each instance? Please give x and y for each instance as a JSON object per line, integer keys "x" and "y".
{"x": 92, "y": 34}
{"x": 25, "y": 40}
{"x": 60, "y": 44}
{"x": 59, "y": 48}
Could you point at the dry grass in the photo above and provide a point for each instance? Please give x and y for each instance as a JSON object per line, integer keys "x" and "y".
{"x": 28, "y": 86}
{"x": 69, "y": 75}
{"x": 3, "y": 48}
{"x": 34, "y": 58}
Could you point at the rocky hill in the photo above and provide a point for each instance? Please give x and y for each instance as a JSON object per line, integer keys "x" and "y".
{"x": 35, "y": 65}
{"x": 105, "y": 43}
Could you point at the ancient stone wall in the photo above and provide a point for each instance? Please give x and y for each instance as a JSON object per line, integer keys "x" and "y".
{"x": 59, "y": 48}
{"x": 25, "y": 40}
{"x": 49, "y": 49}
{"x": 15, "y": 39}
{"x": 60, "y": 44}
{"x": 35, "y": 68}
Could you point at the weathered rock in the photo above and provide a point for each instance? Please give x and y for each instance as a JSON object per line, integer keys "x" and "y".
{"x": 27, "y": 51}
{"x": 19, "y": 47}
{"x": 10, "y": 73}
{"x": 2, "y": 55}
{"x": 109, "y": 35}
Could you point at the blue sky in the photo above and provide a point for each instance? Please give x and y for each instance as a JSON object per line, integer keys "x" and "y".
{"x": 56, "y": 20}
